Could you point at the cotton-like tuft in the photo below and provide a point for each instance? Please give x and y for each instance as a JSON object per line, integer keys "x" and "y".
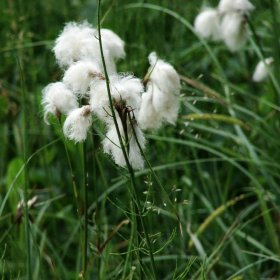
{"x": 261, "y": 70}
{"x": 113, "y": 43}
{"x": 80, "y": 74}
{"x": 112, "y": 146}
{"x": 160, "y": 102}
{"x": 77, "y": 124}
{"x": 79, "y": 41}
{"x": 234, "y": 30}
{"x": 207, "y": 24}
{"x": 123, "y": 89}
{"x": 164, "y": 75}
{"x": 76, "y": 42}
{"x": 242, "y": 6}
{"x": 57, "y": 98}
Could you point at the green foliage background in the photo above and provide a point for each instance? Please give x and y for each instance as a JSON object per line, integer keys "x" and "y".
{"x": 221, "y": 172}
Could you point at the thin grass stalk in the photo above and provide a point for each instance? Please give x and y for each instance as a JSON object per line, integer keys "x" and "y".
{"x": 255, "y": 36}
{"x": 130, "y": 245}
{"x": 154, "y": 174}
{"x": 130, "y": 169}
{"x": 73, "y": 178}
{"x": 26, "y": 183}
{"x": 259, "y": 188}
{"x": 85, "y": 232}
{"x": 274, "y": 8}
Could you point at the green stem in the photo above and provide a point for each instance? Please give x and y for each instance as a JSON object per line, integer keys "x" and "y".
{"x": 26, "y": 183}
{"x": 130, "y": 170}
{"x": 255, "y": 36}
{"x": 154, "y": 174}
{"x": 274, "y": 12}
{"x": 85, "y": 186}
{"x": 73, "y": 178}
{"x": 259, "y": 188}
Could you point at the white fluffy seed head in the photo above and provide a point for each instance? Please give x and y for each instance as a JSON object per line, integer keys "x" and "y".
{"x": 112, "y": 146}
{"x": 163, "y": 75}
{"x": 123, "y": 88}
{"x": 207, "y": 24}
{"x": 158, "y": 107}
{"x": 79, "y": 75}
{"x": 57, "y": 98}
{"x": 262, "y": 70}
{"x": 80, "y": 41}
{"x": 241, "y": 6}
{"x": 234, "y": 30}
{"x": 76, "y": 42}
{"x": 127, "y": 89}
{"x": 77, "y": 124}
{"x": 160, "y": 102}
{"x": 113, "y": 43}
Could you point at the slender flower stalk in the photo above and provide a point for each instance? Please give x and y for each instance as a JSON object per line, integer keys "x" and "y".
{"x": 85, "y": 187}
{"x": 26, "y": 183}
{"x": 131, "y": 172}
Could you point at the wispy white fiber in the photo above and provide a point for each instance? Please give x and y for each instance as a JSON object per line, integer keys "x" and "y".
{"x": 207, "y": 24}
{"x": 77, "y": 124}
{"x": 80, "y": 74}
{"x": 262, "y": 70}
{"x": 57, "y": 98}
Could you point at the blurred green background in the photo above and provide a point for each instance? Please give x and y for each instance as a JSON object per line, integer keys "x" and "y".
{"x": 221, "y": 173}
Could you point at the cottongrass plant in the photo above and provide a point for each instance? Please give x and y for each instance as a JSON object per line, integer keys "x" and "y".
{"x": 227, "y": 23}
{"x": 82, "y": 93}
{"x": 91, "y": 89}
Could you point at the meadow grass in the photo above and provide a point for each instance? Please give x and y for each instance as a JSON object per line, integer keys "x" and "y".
{"x": 206, "y": 206}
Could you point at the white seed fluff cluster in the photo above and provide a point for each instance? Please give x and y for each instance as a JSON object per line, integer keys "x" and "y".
{"x": 126, "y": 94}
{"x": 228, "y": 6}
{"x": 227, "y": 23}
{"x": 112, "y": 146}
{"x": 77, "y": 52}
{"x": 124, "y": 88}
{"x": 207, "y": 24}
{"x": 77, "y": 124}
{"x": 135, "y": 107}
{"x": 160, "y": 102}
{"x": 57, "y": 98}
{"x": 262, "y": 70}
{"x": 79, "y": 75}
